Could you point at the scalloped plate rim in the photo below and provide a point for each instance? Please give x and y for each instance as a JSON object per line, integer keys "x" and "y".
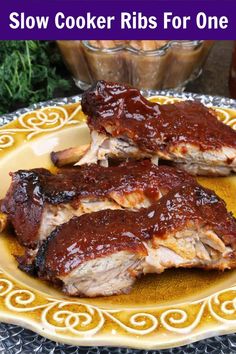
{"x": 191, "y": 337}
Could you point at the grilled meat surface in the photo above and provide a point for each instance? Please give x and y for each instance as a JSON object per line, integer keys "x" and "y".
{"x": 124, "y": 124}
{"x": 93, "y": 229}
{"x": 103, "y": 253}
{"x": 38, "y": 201}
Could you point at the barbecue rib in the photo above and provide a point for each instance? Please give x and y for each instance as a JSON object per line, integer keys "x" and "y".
{"x": 102, "y": 253}
{"x": 38, "y": 201}
{"x": 124, "y": 124}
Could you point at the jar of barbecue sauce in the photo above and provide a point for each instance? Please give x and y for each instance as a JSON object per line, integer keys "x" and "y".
{"x": 232, "y": 74}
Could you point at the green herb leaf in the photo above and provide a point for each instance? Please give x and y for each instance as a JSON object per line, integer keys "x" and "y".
{"x": 29, "y": 73}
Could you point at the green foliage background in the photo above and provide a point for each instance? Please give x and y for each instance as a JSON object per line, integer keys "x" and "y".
{"x": 30, "y": 71}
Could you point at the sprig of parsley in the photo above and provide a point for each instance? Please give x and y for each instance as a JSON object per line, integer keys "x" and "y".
{"x": 30, "y": 71}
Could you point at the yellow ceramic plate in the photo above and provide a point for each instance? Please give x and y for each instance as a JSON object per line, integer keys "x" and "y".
{"x": 163, "y": 311}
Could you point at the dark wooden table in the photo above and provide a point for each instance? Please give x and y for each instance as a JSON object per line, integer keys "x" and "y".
{"x": 215, "y": 75}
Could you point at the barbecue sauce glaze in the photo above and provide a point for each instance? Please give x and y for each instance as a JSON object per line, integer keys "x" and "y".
{"x": 122, "y": 111}
{"x": 32, "y": 189}
{"x": 111, "y": 231}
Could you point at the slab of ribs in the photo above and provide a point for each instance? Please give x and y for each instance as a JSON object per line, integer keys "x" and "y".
{"x": 93, "y": 229}
{"x": 124, "y": 124}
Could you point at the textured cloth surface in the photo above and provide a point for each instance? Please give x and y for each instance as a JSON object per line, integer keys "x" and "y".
{"x": 16, "y": 340}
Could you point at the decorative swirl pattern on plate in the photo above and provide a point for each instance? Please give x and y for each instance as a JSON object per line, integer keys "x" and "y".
{"x": 6, "y": 140}
{"x": 83, "y": 319}
{"x": 73, "y": 316}
{"x": 172, "y": 318}
{"x": 45, "y": 120}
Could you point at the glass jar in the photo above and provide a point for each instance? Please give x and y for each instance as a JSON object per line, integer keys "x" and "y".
{"x": 143, "y": 64}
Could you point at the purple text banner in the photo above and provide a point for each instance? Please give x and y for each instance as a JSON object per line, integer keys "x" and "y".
{"x": 149, "y": 19}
